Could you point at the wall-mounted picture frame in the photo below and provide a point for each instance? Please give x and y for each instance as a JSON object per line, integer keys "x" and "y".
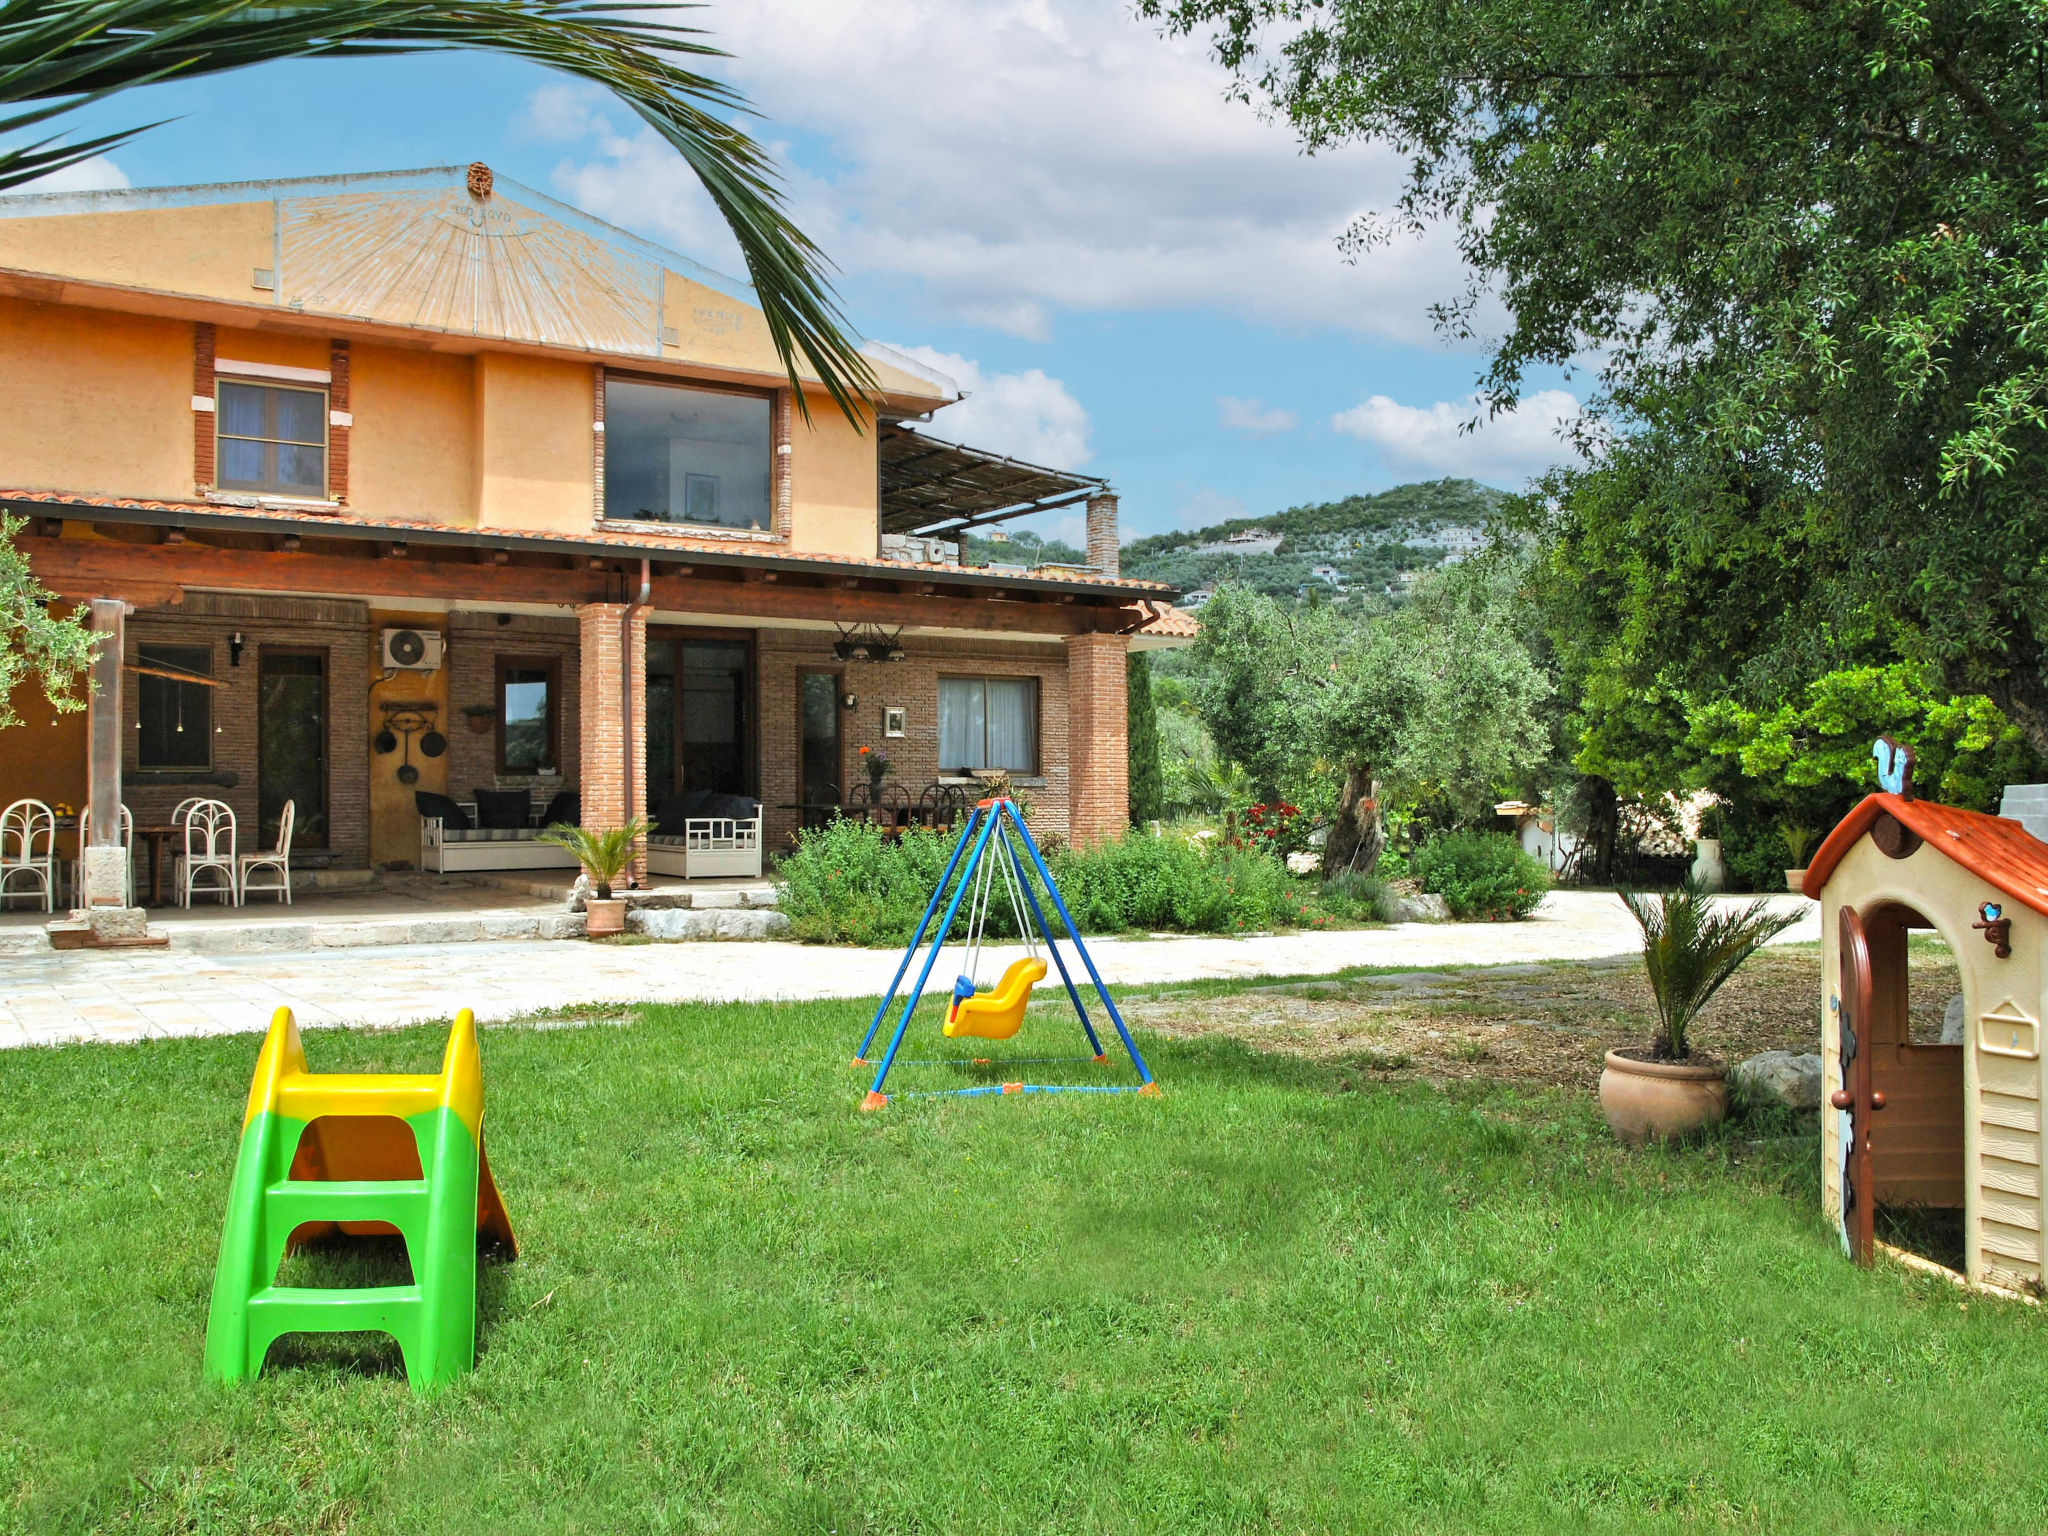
{"x": 700, "y": 498}
{"x": 892, "y": 720}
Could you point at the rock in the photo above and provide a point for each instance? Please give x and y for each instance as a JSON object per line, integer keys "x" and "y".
{"x": 1779, "y": 1077}
{"x": 579, "y": 893}
{"x": 1303, "y": 863}
{"x": 1423, "y": 907}
{"x": 1952, "y": 1021}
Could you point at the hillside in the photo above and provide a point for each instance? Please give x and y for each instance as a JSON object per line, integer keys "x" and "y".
{"x": 1369, "y": 541}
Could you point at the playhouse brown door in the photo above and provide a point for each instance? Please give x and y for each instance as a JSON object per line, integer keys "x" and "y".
{"x": 1854, "y": 1100}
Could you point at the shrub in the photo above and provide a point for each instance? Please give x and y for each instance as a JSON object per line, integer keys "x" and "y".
{"x": 1482, "y": 874}
{"x": 1277, "y": 826}
{"x": 845, "y": 883}
{"x": 1359, "y": 898}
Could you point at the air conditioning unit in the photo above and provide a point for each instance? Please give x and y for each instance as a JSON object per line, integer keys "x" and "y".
{"x": 412, "y": 650}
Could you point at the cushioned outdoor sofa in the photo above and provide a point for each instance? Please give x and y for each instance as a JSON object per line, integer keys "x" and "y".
{"x": 495, "y": 831}
{"x": 701, "y": 833}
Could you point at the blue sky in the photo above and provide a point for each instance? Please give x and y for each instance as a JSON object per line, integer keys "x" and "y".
{"x": 1131, "y": 274}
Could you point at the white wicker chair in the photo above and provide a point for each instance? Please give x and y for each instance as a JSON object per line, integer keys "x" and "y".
{"x": 209, "y": 844}
{"x": 28, "y": 847}
{"x": 84, "y": 897}
{"x": 278, "y": 859}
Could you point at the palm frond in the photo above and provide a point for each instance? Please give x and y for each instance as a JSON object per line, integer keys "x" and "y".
{"x": 603, "y": 853}
{"x": 57, "y": 56}
{"x": 1691, "y": 945}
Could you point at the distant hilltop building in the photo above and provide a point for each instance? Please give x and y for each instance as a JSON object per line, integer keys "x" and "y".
{"x": 1327, "y": 573}
{"x": 1193, "y": 600}
{"x": 1246, "y": 541}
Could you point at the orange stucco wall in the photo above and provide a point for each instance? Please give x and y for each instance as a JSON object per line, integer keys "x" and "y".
{"x": 43, "y": 757}
{"x": 535, "y": 465}
{"x": 291, "y": 348}
{"x": 209, "y": 252}
{"x": 94, "y": 402}
{"x": 832, "y": 482}
{"x": 412, "y": 452}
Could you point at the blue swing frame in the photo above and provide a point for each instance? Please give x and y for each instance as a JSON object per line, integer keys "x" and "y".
{"x": 996, "y": 819}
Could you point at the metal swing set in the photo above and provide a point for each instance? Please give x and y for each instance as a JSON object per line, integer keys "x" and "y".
{"x": 997, "y": 1013}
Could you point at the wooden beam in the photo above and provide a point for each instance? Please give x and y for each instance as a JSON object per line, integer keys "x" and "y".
{"x": 152, "y": 574}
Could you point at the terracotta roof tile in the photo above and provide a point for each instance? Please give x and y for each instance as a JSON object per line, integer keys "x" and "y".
{"x": 658, "y": 545}
{"x": 1996, "y": 849}
{"x": 1168, "y": 620}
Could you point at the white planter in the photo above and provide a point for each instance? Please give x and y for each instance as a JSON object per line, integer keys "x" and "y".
{"x": 1707, "y": 867}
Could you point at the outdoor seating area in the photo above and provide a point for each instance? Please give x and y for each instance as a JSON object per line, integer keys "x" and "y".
{"x": 890, "y": 805}
{"x": 42, "y": 856}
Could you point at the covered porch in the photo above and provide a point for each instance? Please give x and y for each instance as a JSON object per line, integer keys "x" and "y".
{"x": 372, "y": 674}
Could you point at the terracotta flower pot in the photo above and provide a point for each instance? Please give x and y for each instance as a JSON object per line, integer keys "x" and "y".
{"x": 1647, "y": 1100}
{"x": 601, "y": 919}
{"x": 1794, "y": 879}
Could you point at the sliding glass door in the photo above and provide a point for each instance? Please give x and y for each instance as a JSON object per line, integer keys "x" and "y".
{"x": 699, "y": 716}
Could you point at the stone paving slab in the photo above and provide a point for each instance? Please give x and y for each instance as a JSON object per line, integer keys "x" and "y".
{"x": 50, "y": 998}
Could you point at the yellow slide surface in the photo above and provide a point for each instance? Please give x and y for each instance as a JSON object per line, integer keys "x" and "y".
{"x": 995, "y": 1015}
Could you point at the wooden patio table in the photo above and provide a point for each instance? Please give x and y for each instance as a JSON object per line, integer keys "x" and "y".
{"x": 158, "y": 836}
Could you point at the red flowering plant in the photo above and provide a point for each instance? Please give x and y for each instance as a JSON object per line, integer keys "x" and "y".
{"x": 1277, "y": 826}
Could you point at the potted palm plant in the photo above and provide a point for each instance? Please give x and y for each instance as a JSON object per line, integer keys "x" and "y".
{"x": 604, "y": 856}
{"x": 1691, "y": 945}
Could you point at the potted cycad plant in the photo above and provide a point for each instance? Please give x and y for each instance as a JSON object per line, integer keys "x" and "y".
{"x": 604, "y": 856}
{"x": 1799, "y": 843}
{"x": 1691, "y": 945}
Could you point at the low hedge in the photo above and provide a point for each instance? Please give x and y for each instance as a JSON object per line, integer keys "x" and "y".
{"x": 845, "y": 883}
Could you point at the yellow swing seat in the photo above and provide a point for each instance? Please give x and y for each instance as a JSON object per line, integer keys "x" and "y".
{"x": 995, "y": 1015}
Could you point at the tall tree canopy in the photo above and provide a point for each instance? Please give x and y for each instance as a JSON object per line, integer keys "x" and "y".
{"x": 1440, "y": 697}
{"x": 1806, "y": 238}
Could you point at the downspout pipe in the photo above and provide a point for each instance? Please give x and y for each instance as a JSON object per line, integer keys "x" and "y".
{"x": 633, "y": 611}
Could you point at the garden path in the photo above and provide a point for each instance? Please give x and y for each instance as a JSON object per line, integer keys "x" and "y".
{"x": 141, "y": 994}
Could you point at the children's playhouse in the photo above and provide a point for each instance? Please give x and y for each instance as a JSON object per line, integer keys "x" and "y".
{"x": 1943, "y": 1126}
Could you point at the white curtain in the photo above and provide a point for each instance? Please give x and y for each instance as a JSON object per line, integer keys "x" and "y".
{"x": 961, "y": 723}
{"x": 1012, "y": 724}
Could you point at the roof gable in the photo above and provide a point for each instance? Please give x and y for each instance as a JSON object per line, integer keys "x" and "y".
{"x": 1997, "y": 850}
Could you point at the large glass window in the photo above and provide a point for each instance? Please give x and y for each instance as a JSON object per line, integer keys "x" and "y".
{"x": 528, "y": 704}
{"x": 988, "y": 722}
{"x": 175, "y": 717}
{"x": 676, "y": 455}
{"x": 271, "y": 439}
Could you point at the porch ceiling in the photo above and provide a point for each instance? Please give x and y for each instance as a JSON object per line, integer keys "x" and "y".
{"x": 149, "y": 552}
{"x": 932, "y": 486}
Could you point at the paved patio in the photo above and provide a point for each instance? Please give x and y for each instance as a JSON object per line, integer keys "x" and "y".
{"x": 141, "y": 994}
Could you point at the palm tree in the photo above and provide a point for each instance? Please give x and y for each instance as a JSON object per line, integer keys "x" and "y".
{"x": 57, "y": 56}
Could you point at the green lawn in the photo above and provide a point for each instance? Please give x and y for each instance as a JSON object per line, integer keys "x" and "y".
{"x": 1259, "y": 1302}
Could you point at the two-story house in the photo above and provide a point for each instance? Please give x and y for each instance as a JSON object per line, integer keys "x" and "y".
{"x": 425, "y": 481}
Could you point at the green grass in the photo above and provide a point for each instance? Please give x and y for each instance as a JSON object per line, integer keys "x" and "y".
{"x": 1258, "y": 1303}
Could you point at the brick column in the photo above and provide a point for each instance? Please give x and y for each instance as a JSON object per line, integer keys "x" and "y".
{"x": 1098, "y": 724}
{"x": 601, "y": 748}
{"x": 340, "y": 421}
{"x": 203, "y": 335}
{"x": 1102, "y": 547}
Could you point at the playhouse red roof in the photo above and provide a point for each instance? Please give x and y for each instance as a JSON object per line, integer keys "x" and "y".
{"x": 1997, "y": 850}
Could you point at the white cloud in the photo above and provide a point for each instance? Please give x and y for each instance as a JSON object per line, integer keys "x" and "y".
{"x": 1017, "y": 158}
{"x": 1251, "y": 416}
{"x": 1432, "y": 439}
{"x": 1026, "y": 415}
{"x": 99, "y": 174}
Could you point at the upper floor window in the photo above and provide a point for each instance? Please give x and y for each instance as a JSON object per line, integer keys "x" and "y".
{"x": 174, "y": 718}
{"x": 677, "y": 455}
{"x": 271, "y": 438}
